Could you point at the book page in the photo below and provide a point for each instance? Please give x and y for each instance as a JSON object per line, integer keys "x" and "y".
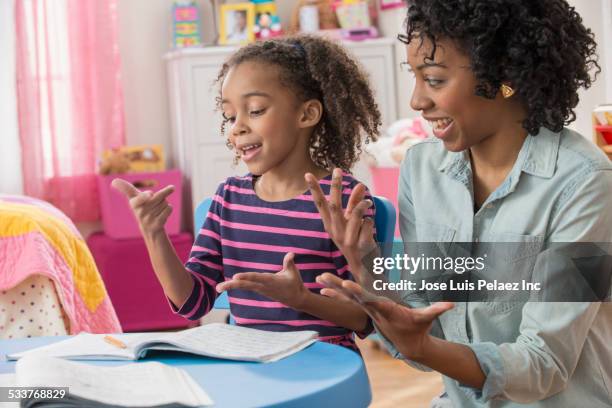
{"x": 82, "y": 346}
{"x": 132, "y": 384}
{"x": 240, "y": 343}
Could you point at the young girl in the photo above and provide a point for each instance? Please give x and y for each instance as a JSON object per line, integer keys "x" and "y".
{"x": 290, "y": 107}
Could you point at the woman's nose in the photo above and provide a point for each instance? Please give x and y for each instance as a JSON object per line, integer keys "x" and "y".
{"x": 420, "y": 101}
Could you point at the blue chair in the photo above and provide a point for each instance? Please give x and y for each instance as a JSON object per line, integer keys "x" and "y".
{"x": 384, "y": 219}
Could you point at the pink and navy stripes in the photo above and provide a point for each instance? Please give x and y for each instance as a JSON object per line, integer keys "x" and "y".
{"x": 243, "y": 233}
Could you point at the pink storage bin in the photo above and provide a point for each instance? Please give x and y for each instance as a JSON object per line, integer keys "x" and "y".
{"x": 384, "y": 183}
{"x": 136, "y": 294}
{"x": 117, "y": 217}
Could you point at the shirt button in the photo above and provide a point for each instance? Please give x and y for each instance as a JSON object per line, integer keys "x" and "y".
{"x": 476, "y": 239}
{"x": 489, "y": 206}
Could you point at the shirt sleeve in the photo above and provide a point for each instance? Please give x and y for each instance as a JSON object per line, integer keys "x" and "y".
{"x": 542, "y": 360}
{"x": 205, "y": 263}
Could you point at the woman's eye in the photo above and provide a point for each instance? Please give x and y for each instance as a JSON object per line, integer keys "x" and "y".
{"x": 433, "y": 82}
{"x": 228, "y": 118}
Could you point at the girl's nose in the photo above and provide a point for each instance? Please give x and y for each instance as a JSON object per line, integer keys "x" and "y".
{"x": 239, "y": 128}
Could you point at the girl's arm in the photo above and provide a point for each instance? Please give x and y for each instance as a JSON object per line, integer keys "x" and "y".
{"x": 170, "y": 271}
{"x": 287, "y": 287}
{"x": 190, "y": 287}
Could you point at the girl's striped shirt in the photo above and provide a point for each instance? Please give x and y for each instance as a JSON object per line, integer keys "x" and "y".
{"x": 243, "y": 233}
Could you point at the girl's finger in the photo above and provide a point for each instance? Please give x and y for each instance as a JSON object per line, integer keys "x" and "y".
{"x": 335, "y": 191}
{"x": 330, "y": 280}
{"x": 240, "y": 284}
{"x": 336, "y": 294}
{"x": 354, "y": 223}
{"x": 319, "y": 199}
{"x": 366, "y": 235}
{"x": 155, "y": 208}
{"x": 356, "y": 197}
{"x": 141, "y": 199}
{"x": 125, "y": 187}
{"x": 257, "y": 277}
{"x": 162, "y": 194}
{"x": 165, "y": 213}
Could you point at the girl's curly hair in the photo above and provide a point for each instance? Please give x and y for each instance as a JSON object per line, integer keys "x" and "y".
{"x": 316, "y": 68}
{"x": 541, "y": 48}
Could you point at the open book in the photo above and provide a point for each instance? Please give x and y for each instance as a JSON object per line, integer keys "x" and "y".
{"x": 132, "y": 385}
{"x": 212, "y": 340}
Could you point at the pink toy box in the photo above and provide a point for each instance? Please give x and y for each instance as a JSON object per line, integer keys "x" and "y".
{"x": 384, "y": 183}
{"x": 117, "y": 217}
{"x": 135, "y": 292}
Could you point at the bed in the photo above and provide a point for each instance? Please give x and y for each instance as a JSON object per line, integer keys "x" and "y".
{"x": 49, "y": 283}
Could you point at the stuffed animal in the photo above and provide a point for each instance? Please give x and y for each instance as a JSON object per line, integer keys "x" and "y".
{"x": 115, "y": 161}
{"x": 327, "y": 16}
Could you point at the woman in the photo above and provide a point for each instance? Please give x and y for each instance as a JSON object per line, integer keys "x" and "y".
{"x": 498, "y": 80}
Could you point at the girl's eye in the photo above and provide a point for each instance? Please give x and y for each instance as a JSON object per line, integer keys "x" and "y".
{"x": 257, "y": 112}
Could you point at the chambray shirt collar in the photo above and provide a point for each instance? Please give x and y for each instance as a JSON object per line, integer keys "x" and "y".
{"x": 538, "y": 157}
{"x": 541, "y": 157}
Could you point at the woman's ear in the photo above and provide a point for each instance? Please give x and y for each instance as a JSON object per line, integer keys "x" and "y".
{"x": 312, "y": 110}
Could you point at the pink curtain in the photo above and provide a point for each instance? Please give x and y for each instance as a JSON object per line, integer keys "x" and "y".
{"x": 69, "y": 95}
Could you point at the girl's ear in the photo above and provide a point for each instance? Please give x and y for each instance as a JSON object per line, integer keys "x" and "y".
{"x": 312, "y": 110}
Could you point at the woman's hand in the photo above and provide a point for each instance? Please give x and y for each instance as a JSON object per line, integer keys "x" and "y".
{"x": 408, "y": 329}
{"x": 352, "y": 234}
{"x": 151, "y": 209}
{"x": 285, "y": 286}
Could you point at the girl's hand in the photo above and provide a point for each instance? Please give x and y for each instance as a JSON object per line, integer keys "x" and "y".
{"x": 408, "y": 329}
{"x": 352, "y": 234}
{"x": 151, "y": 209}
{"x": 285, "y": 286}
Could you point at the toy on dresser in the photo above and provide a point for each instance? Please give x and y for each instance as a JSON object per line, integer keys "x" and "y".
{"x": 267, "y": 22}
{"x": 356, "y": 19}
{"x": 326, "y": 17}
{"x": 186, "y": 24}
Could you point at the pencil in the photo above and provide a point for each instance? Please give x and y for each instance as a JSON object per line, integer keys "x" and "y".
{"x": 115, "y": 342}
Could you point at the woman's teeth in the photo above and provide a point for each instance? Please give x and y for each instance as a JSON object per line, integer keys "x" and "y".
{"x": 440, "y": 124}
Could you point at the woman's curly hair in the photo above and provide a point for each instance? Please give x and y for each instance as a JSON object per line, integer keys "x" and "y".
{"x": 316, "y": 68}
{"x": 540, "y": 47}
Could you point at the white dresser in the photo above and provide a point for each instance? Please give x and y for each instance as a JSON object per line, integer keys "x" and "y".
{"x": 199, "y": 149}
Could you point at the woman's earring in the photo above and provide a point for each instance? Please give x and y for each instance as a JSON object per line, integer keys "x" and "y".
{"x": 506, "y": 91}
{"x": 229, "y": 144}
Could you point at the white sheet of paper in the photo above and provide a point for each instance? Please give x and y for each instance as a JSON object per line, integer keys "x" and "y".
{"x": 132, "y": 384}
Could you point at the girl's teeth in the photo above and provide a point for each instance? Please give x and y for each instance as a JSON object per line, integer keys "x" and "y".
{"x": 249, "y": 147}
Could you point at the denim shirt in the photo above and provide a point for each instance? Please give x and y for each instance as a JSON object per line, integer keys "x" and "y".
{"x": 559, "y": 190}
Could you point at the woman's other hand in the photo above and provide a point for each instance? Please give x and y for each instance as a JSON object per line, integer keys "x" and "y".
{"x": 407, "y": 328}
